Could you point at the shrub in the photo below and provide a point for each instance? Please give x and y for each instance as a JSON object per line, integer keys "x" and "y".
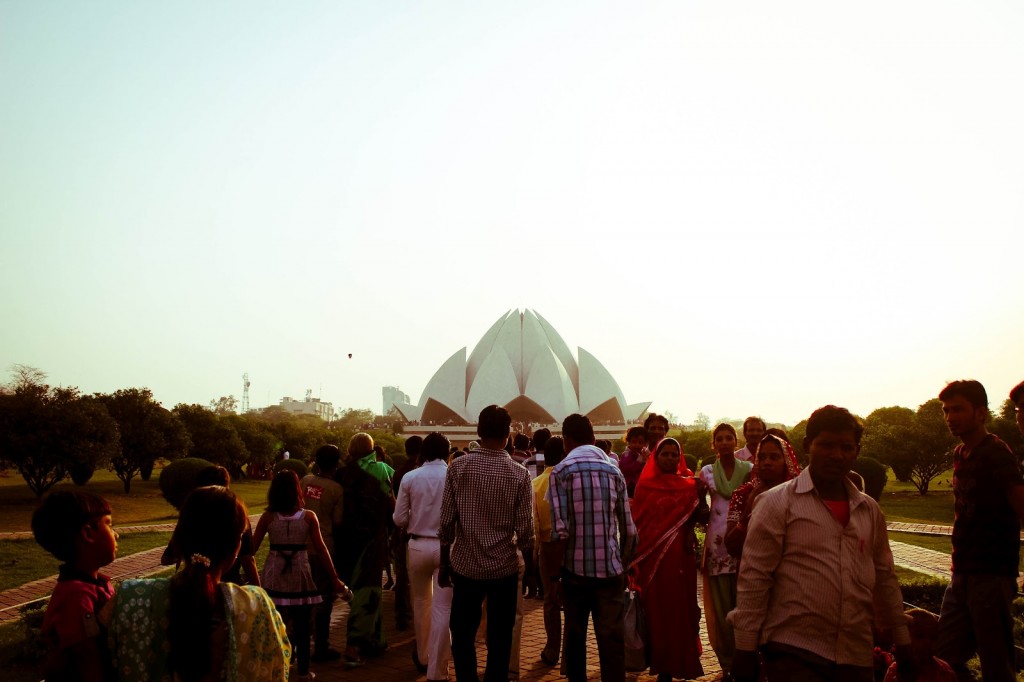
{"x": 179, "y": 478}
{"x": 874, "y": 474}
{"x": 691, "y": 463}
{"x": 296, "y": 465}
{"x": 924, "y": 592}
{"x": 81, "y": 472}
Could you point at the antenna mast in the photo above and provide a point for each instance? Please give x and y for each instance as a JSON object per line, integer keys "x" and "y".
{"x": 245, "y": 393}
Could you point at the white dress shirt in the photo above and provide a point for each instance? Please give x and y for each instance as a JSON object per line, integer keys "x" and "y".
{"x": 418, "y": 509}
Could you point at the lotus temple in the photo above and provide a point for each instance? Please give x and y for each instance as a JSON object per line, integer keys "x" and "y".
{"x": 522, "y": 364}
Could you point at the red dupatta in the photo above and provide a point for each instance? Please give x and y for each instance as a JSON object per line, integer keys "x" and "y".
{"x": 662, "y": 504}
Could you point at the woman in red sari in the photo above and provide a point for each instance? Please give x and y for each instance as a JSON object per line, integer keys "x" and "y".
{"x": 665, "y": 510}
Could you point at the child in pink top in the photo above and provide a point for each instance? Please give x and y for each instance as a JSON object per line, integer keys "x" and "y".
{"x": 923, "y": 627}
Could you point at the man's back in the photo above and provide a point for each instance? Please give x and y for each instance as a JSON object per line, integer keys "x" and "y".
{"x": 486, "y": 510}
{"x": 590, "y": 511}
{"x": 324, "y": 498}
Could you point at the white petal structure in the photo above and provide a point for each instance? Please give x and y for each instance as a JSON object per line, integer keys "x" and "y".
{"x": 522, "y": 364}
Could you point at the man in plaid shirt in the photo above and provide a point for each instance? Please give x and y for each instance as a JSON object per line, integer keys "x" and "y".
{"x": 590, "y": 515}
{"x": 486, "y": 515}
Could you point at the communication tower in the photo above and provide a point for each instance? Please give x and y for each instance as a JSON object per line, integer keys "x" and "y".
{"x": 245, "y": 393}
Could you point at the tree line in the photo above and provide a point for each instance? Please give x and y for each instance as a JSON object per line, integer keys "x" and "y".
{"x": 49, "y": 434}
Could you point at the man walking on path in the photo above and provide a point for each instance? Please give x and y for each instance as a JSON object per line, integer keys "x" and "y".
{"x": 487, "y": 512}
{"x": 988, "y": 494}
{"x": 324, "y": 497}
{"x": 817, "y": 571}
{"x": 591, "y": 518}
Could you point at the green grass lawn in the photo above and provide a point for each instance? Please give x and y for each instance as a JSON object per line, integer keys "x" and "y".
{"x": 23, "y": 561}
{"x": 902, "y": 502}
{"x": 144, "y": 505}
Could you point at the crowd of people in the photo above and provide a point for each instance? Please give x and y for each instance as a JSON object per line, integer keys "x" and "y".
{"x": 797, "y": 574}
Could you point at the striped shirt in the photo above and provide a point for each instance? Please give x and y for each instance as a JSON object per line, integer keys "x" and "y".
{"x": 809, "y": 582}
{"x": 486, "y": 512}
{"x": 590, "y": 511}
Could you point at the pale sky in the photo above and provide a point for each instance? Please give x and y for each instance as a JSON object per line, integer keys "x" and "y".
{"x": 738, "y": 208}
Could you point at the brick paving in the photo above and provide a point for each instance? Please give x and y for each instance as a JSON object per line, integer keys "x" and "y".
{"x": 396, "y": 664}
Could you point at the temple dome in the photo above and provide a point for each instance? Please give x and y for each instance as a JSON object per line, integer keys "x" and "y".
{"x": 522, "y": 364}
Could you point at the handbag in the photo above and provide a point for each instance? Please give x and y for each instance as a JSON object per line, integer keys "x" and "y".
{"x": 635, "y": 633}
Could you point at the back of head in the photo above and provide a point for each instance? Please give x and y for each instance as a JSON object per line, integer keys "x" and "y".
{"x": 521, "y": 441}
{"x": 968, "y": 389}
{"x": 413, "y": 446}
{"x": 61, "y": 516}
{"x": 495, "y": 423}
{"x": 779, "y": 433}
{"x": 540, "y": 437}
{"x": 435, "y": 446}
{"x": 360, "y": 445}
{"x": 833, "y": 419}
{"x": 578, "y": 429}
{"x": 213, "y": 475}
{"x": 554, "y": 451}
{"x": 635, "y": 432}
{"x": 208, "y": 536}
{"x": 327, "y": 458}
{"x": 285, "y": 493}
{"x": 604, "y": 444}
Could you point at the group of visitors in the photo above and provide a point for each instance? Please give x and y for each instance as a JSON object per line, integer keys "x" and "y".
{"x": 797, "y": 572}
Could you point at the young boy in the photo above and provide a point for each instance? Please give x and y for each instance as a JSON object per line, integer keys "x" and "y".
{"x": 923, "y": 627}
{"x": 76, "y": 528}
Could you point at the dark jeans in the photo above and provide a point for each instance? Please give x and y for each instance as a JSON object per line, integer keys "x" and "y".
{"x": 783, "y": 663}
{"x": 467, "y": 600}
{"x": 601, "y": 597}
{"x": 975, "y": 617}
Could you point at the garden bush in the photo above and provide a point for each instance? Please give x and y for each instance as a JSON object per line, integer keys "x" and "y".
{"x": 924, "y": 592}
{"x": 691, "y": 463}
{"x": 296, "y": 465}
{"x": 874, "y": 474}
{"x": 81, "y": 472}
{"x": 179, "y": 478}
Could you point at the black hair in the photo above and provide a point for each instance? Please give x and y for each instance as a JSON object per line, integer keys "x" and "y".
{"x": 970, "y": 389}
{"x": 724, "y": 427}
{"x": 604, "y": 444}
{"x": 413, "y": 446}
{"x": 835, "y": 419}
{"x": 635, "y": 431}
{"x": 285, "y": 493}
{"x": 61, "y": 516}
{"x": 540, "y": 437}
{"x": 521, "y": 441}
{"x": 208, "y": 536}
{"x": 749, "y": 420}
{"x": 1017, "y": 393}
{"x": 213, "y": 475}
{"x": 327, "y": 458}
{"x": 578, "y": 429}
{"x": 653, "y": 417}
{"x": 554, "y": 451}
{"x": 435, "y": 446}
{"x": 495, "y": 423}
{"x": 776, "y": 431}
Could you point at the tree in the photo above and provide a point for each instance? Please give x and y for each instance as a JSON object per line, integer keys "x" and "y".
{"x": 213, "y": 437}
{"x": 701, "y": 422}
{"x": 148, "y": 432}
{"x": 697, "y": 443}
{"x": 915, "y": 445}
{"x": 46, "y": 432}
{"x": 355, "y": 419}
{"x": 1004, "y": 425}
{"x": 226, "y": 404}
{"x": 260, "y": 439}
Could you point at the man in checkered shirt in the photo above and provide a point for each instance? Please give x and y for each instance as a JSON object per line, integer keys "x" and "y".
{"x": 486, "y": 514}
{"x": 590, "y": 514}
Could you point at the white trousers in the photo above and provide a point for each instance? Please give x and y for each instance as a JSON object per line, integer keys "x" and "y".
{"x": 431, "y": 607}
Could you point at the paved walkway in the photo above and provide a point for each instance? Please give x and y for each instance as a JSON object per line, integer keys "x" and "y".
{"x": 396, "y": 664}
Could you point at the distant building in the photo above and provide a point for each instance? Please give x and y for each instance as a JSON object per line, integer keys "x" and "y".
{"x": 310, "y": 405}
{"x": 393, "y": 395}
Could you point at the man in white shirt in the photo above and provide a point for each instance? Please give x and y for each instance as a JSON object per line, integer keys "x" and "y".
{"x": 418, "y": 511}
{"x": 817, "y": 571}
{"x": 753, "y": 431}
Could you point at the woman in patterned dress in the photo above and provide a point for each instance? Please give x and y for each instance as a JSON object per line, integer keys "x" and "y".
{"x": 286, "y": 575}
{"x": 193, "y": 626}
